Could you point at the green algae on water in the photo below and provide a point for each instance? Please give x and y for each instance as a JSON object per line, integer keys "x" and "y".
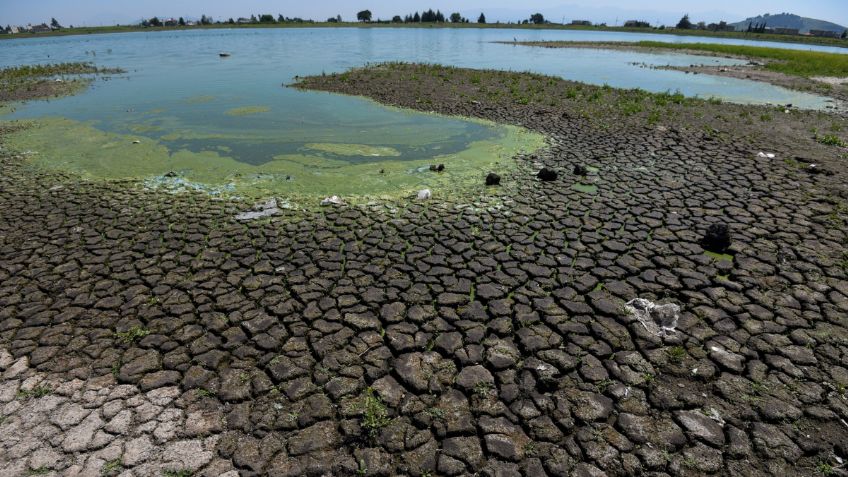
{"x": 247, "y": 110}
{"x": 719, "y": 257}
{"x": 585, "y": 188}
{"x": 80, "y": 148}
{"x": 354, "y": 149}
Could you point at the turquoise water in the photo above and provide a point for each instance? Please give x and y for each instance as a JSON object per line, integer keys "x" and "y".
{"x": 177, "y": 89}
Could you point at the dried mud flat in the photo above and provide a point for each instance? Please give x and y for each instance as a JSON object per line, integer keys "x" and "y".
{"x": 144, "y": 333}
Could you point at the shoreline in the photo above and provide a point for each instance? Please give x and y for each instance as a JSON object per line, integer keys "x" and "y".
{"x": 830, "y": 87}
{"x": 834, "y": 42}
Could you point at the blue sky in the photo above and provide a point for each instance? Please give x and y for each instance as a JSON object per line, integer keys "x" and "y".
{"x": 101, "y": 12}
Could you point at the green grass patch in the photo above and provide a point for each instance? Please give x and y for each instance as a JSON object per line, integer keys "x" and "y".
{"x": 131, "y": 335}
{"x": 791, "y": 62}
{"x": 36, "y": 392}
{"x": 832, "y": 140}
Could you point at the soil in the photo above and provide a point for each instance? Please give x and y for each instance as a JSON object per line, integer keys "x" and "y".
{"x": 43, "y": 89}
{"x": 145, "y": 333}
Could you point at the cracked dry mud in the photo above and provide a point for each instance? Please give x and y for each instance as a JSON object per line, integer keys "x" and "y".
{"x": 144, "y": 333}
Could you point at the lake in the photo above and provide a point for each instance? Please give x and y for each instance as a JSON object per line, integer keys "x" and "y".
{"x": 179, "y": 96}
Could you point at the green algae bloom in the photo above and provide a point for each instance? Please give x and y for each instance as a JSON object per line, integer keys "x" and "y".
{"x": 247, "y": 110}
{"x": 315, "y": 170}
{"x": 355, "y": 150}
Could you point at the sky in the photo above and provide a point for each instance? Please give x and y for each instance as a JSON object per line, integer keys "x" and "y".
{"x": 110, "y": 12}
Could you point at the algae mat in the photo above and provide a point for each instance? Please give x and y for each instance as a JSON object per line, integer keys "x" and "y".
{"x": 79, "y": 147}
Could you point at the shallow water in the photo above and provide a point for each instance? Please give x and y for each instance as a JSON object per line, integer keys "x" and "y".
{"x": 181, "y": 94}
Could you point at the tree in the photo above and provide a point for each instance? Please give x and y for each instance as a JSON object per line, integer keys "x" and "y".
{"x": 55, "y": 24}
{"x": 440, "y": 17}
{"x": 455, "y": 18}
{"x": 416, "y": 18}
{"x": 155, "y": 21}
{"x": 684, "y": 23}
{"x": 537, "y": 18}
{"x": 396, "y": 19}
{"x": 266, "y": 18}
{"x": 281, "y": 18}
{"x": 231, "y": 21}
{"x": 845, "y": 34}
{"x": 481, "y": 18}
{"x": 204, "y": 20}
{"x": 253, "y": 19}
{"x": 364, "y": 16}
{"x": 182, "y": 21}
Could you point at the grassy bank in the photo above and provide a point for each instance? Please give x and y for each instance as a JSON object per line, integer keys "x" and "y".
{"x": 837, "y": 42}
{"x": 28, "y": 82}
{"x": 791, "y": 62}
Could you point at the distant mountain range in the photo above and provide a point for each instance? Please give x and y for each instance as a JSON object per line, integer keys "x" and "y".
{"x": 788, "y": 20}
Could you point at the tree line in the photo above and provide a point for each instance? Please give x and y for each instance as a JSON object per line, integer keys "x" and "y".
{"x": 428, "y": 16}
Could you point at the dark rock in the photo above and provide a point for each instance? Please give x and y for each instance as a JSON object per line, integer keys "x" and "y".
{"x": 580, "y": 170}
{"x": 547, "y": 175}
{"x": 493, "y": 179}
{"x": 717, "y": 238}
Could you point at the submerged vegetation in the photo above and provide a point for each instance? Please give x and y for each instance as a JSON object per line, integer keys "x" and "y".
{"x": 21, "y": 83}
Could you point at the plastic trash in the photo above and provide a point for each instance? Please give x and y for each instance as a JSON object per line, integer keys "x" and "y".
{"x": 766, "y": 155}
{"x": 424, "y": 194}
{"x": 334, "y": 200}
{"x": 263, "y": 209}
{"x": 659, "y": 320}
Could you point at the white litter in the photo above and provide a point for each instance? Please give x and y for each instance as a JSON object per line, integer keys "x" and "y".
{"x": 659, "y": 320}
{"x": 766, "y": 155}
{"x": 260, "y": 210}
{"x": 334, "y": 200}
{"x": 715, "y": 416}
{"x": 136, "y": 141}
{"x": 424, "y": 194}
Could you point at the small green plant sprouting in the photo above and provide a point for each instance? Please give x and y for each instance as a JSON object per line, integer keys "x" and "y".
{"x": 177, "y": 473}
{"x": 604, "y": 385}
{"x": 203, "y": 392}
{"x": 131, "y": 335}
{"x": 35, "y": 392}
{"x": 824, "y": 468}
{"x": 648, "y": 378}
{"x": 39, "y": 471}
{"x": 435, "y": 412}
{"x": 676, "y": 354}
{"x": 363, "y": 469}
{"x": 374, "y": 413}
{"x": 482, "y": 388}
{"x": 111, "y": 466}
{"x": 832, "y": 140}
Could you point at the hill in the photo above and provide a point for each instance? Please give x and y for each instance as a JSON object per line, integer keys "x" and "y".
{"x": 788, "y": 20}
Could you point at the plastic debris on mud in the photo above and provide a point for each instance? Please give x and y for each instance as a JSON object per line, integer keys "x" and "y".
{"x": 260, "y": 210}
{"x": 424, "y": 194}
{"x": 334, "y": 200}
{"x": 659, "y": 320}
